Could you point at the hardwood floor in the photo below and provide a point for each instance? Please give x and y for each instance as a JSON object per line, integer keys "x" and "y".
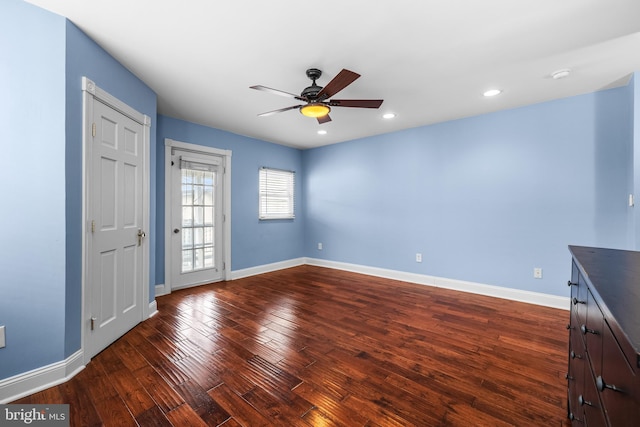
{"x": 310, "y": 346}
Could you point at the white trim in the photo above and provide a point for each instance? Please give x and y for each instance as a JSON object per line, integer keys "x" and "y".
{"x": 91, "y": 92}
{"x": 170, "y": 144}
{"x": 537, "y": 298}
{"x": 153, "y": 309}
{"x": 193, "y": 285}
{"x": 106, "y": 98}
{"x": 195, "y": 148}
{"x": 529, "y": 297}
{"x": 161, "y": 290}
{"x": 27, "y": 383}
{"x": 266, "y": 268}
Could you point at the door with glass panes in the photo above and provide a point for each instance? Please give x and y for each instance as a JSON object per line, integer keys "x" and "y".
{"x": 196, "y": 219}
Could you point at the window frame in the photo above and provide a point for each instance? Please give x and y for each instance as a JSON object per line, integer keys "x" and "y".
{"x": 280, "y": 189}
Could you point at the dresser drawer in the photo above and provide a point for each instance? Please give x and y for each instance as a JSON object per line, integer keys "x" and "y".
{"x": 578, "y": 295}
{"x": 592, "y": 332}
{"x": 577, "y": 364}
{"x": 594, "y": 415}
{"x": 618, "y": 384}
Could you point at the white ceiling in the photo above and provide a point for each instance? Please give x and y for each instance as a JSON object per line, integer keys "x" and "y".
{"x": 430, "y": 60}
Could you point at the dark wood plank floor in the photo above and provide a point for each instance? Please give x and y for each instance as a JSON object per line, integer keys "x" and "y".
{"x": 310, "y": 346}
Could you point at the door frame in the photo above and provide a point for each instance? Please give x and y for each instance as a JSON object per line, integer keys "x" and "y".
{"x": 169, "y": 145}
{"x": 90, "y": 93}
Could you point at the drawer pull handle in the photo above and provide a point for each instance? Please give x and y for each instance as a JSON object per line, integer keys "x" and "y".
{"x": 573, "y": 417}
{"x": 570, "y": 283}
{"x": 576, "y": 301}
{"x": 583, "y": 402}
{"x": 586, "y": 331}
{"x": 569, "y": 326}
{"x": 574, "y": 355}
{"x": 568, "y": 377}
{"x": 603, "y": 385}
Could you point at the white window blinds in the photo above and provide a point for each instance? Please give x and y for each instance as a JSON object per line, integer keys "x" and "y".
{"x": 276, "y": 194}
{"x": 197, "y": 164}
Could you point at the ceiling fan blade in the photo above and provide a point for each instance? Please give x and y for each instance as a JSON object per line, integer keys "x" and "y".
{"x": 324, "y": 119}
{"x": 278, "y": 92}
{"x": 339, "y": 82}
{"x": 282, "y": 110}
{"x": 357, "y": 103}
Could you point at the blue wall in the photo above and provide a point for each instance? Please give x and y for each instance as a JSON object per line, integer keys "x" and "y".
{"x": 44, "y": 57}
{"x": 253, "y": 242}
{"x": 484, "y": 199}
{"x": 32, "y": 177}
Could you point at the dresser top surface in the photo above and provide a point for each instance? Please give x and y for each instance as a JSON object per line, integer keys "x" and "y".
{"x": 615, "y": 275}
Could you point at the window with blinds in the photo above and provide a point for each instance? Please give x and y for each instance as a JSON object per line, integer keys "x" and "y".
{"x": 276, "y": 194}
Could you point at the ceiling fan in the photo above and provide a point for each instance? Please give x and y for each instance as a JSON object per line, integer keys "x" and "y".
{"x": 316, "y": 98}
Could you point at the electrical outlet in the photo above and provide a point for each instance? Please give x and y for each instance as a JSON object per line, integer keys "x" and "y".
{"x": 418, "y": 257}
{"x": 319, "y": 246}
{"x": 2, "y": 340}
{"x": 537, "y": 273}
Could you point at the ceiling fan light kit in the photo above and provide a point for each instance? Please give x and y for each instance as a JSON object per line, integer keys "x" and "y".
{"x": 318, "y": 105}
{"x": 315, "y": 110}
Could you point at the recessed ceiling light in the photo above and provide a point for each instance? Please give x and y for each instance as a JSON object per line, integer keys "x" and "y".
{"x": 388, "y": 115}
{"x": 492, "y": 92}
{"x": 561, "y": 74}
{"x": 322, "y": 132}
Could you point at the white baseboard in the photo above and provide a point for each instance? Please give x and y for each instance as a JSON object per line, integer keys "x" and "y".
{"x": 153, "y": 309}
{"x": 536, "y": 298}
{"x": 22, "y": 385}
{"x": 27, "y": 383}
{"x": 161, "y": 290}
{"x": 252, "y": 271}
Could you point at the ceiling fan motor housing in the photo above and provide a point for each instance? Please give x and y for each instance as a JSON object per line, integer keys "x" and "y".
{"x": 312, "y": 91}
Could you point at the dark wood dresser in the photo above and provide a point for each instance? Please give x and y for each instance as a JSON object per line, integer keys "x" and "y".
{"x": 604, "y": 338}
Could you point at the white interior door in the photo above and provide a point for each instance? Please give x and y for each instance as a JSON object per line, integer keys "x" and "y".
{"x": 115, "y": 182}
{"x": 197, "y": 249}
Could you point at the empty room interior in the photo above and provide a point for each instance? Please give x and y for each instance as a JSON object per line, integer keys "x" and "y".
{"x": 330, "y": 214}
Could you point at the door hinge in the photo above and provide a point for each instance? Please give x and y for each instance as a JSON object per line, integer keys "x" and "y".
{"x": 93, "y": 226}
{"x": 93, "y": 130}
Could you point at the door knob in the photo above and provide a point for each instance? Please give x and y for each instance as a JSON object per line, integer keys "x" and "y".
{"x": 176, "y": 230}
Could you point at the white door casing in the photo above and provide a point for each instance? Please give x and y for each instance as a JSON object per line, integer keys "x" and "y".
{"x": 197, "y": 215}
{"x": 116, "y": 218}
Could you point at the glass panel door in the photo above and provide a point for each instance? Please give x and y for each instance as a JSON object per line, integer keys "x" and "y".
{"x": 198, "y": 219}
